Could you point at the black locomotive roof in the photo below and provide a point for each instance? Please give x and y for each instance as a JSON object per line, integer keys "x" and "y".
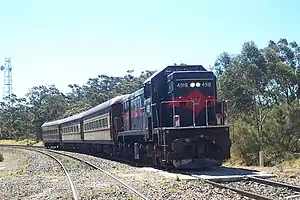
{"x": 169, "y": 69}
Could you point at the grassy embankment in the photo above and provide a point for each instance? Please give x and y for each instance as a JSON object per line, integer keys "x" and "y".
{"x": 288, "y": 162}
{"x": 22, "y": 142}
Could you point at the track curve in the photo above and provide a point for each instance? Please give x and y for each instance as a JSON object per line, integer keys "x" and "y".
{"x": 74, "y": 192}
{"x": 105, "y": 172}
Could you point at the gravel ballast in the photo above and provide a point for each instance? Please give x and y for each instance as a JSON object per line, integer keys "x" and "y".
{"x": 289, "y": 178}
{"x": 31, "y": 175}
{"x": 91, "y": 183}
{"x": 263, "y": 189}
{"x": 156, "y": 186}
{"x": 37, "y": 176}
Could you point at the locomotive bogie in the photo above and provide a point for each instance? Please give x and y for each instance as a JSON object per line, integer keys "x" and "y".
{"x": 210, "y": 146}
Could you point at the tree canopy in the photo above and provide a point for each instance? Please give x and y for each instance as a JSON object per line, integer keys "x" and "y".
{"x": 263, "y": 86}
{"x": 22, "y": 118}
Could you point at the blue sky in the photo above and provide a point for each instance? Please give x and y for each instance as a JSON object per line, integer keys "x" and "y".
{"x": 63, "y": 42}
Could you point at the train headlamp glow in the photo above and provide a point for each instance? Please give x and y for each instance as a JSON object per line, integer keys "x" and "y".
{"x": 192, "y": 84}
{"x": 198, "y": 84}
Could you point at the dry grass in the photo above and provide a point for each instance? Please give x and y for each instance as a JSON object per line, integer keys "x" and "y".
{"x": 22, "y": 142}
{"x": 291, "y": 163}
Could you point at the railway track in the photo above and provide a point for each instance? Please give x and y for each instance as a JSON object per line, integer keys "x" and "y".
{"x": 50, "y": 153}
{"x": 254, "y": 188}
{"x": 142, "y": 196}
{"x": 257, "y": 188}
{"x": 74, "y": 192}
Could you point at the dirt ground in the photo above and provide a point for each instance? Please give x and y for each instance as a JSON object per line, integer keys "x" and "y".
{"x": 280, "y": 171}
{"x": 12, "y": 162}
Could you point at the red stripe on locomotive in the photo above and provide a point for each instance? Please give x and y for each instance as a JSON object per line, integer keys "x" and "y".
{"x": 199, "y": 101}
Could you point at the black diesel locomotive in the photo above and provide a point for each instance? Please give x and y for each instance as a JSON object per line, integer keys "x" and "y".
{"x": 174, "y": 121}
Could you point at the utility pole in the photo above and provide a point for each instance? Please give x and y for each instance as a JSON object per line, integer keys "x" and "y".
{"x": 7, "y": 87}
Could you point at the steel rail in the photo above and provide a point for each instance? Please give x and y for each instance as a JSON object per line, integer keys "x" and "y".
{"x": 241, "y": 192}
{"x": 251, "y": 194}
{"x": 74, "y": 192}
{"x": 105, "y": 172}
{"x": 273, "y": 183}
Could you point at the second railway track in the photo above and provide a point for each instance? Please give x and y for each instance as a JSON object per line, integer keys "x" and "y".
{"x": 257, "y": 188}
{"x": 137, "y": 193}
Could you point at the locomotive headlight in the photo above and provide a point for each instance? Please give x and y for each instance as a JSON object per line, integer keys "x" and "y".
{"x": 198, "y": 84}
{"x": 192, "y": 84}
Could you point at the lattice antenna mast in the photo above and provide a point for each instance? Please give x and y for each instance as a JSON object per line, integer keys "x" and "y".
{"x": 7, "y": 88}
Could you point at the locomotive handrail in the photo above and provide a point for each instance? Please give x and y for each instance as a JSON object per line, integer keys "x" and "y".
{"x": 223, "y": 112}
{"x": 173, "y": 108}
{"x": 177, "y": 101}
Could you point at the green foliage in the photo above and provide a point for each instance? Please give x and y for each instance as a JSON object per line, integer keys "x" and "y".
{"x": 22, "y": 118}
{"x": 263, "y": 86}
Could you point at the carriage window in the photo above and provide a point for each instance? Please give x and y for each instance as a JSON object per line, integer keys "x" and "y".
{"x": 106, "y": 122}
{"x": 103, "y": 123}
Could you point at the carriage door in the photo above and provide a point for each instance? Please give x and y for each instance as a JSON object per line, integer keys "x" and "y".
{"x": 148, "y": 111}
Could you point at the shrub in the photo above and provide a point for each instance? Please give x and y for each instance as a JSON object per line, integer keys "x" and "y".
{"x": 245, "y": 143}
{"x": 277, "y": 135}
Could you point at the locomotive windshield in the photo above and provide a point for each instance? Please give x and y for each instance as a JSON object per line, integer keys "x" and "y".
{"x": 191, "y": 96}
